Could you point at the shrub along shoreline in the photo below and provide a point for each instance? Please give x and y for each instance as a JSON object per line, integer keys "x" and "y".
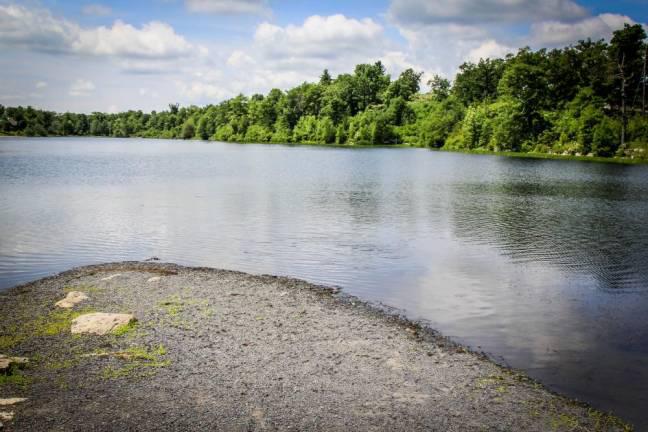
{"x": 586, "y": 99}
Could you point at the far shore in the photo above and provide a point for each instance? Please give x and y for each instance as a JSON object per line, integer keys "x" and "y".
{"x": 528, "y": 155}
{"x": 222, "y": 350}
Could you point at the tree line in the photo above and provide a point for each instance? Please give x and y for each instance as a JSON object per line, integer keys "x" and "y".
{"x": 585, "y": 99}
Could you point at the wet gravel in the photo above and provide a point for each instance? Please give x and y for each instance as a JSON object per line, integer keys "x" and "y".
{"x": 235, "y": 352}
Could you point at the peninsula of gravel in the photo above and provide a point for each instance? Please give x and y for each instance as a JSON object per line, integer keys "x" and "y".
{"x": 148, "y": 346}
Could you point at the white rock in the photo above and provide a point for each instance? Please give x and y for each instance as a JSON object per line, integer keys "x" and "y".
{"x": 107, "y": 278}
{"x": 11, "y": 401}
{"x": 100, "y": 323}
{"x": 72, "y": 298}
{"x": 154, "y": 279}
{"x": 6, "y": 415}
{"x": 7, "y": 362}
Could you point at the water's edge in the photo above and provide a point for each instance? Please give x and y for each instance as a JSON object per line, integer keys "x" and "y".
{"x": 529, "y": 155}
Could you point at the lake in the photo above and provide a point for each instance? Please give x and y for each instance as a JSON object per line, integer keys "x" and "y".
{"x": 543, "y": 264}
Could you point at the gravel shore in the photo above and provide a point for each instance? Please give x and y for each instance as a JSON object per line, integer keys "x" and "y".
{"x": 228, "y": 351}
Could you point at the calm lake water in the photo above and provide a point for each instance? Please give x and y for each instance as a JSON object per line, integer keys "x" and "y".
{"x": 543, "y": 264}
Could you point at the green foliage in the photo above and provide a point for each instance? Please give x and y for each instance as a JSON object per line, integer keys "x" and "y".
{"x": 406, "y": 86}
{"x": 565, "y": 101}
{"x": 439, "y": 87}
{"x": 605, "y": 139}
{"x": 435, "y": 119}
{"x": 305, "y": 129}
{"x": 188, "y": 129}
{"x": 257, "y": 133}
{"x": 325, "y": 131}
{"x": 478, "y": 82}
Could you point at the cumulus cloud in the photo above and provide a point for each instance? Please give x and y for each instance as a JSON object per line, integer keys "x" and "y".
{"x": 39, "y": 30}
{"x": 41, "y": 84}
{"x": 36, "y": 29}
{"x": 489, "y": 49}
{"x": 443, "y": 47}
{"x": 426, "y": 12}
{"x": 228, "y": 7}
{"x": 96, "y": 10}
{"x": 285, "y": 56}
{"x": 321, "y": 37}
{"x": 201, "y": 91}
{"x": 238, "y": 58}
{"x": 559, "y": 33}
{"x": 81, "y": 87}
{"x": 155, "y": 40}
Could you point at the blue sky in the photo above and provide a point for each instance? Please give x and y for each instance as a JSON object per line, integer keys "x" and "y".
{"x": 115, "y": 55}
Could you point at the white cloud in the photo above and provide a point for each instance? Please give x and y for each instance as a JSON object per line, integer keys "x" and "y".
{"x": 228, "y": 7}
{"x": 427, "y": 12}
{"x": 202, "y": 91}
{"x": 239, "y": 58}
{"x": 96, "y": 10}
{"x": 285, "y": 56}
{"x": 155, "y": 40}
{"x": 81, "y": 87}
{"x": 443, "y": 47}
{"x": 489, "y": 49}
{"x": 39, "y": 30}
{"x": 558, "y": 33}
{"x": 397, "y": 61}
{"x": 36, "y": 29}
{"x": 41, "y": 84}
{"x": 319, "y": 37}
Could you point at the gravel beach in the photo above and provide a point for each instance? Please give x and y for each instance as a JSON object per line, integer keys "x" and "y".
{"x": 228, "y": 351}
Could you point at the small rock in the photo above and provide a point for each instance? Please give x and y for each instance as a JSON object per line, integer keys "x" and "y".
{"x": 6, "y": 415}
{"x": 100, "y": 323}
{"x": 153, "y": 279}
{"x": 7, "y": 362}
{"x": 72, "y": 298}
{"x": 11, "y": 401}
{"x": 107, "y": 278}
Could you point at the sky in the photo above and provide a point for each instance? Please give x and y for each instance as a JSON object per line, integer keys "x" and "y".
{"x": 116, "y": 55}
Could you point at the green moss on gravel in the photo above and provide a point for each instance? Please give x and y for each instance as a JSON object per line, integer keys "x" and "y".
{"x": 139, "y": 362}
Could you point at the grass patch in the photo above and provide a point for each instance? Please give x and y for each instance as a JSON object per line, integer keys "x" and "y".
{"x": 176, "y": 306}
{"x": 15, "y": 379}
{"x": 62, "y": 364}
{"x": 125, "y": 329}
{"x": 56, "y": 322}
{"x": 490, "y": 381}
{"x": 140, "y": 362}
{"x": 173, "y": 305}
{"x": 594, "y": 421}
{"x": 564, "y": 422}
{"x": 8, "y": 341}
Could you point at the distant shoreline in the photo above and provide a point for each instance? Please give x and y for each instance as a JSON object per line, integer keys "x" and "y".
{"x": 224, "y": 350}
{"x": 528, "y": 155}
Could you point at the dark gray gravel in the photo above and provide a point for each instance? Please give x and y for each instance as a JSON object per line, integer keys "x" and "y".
{"x": 243, "y": 352}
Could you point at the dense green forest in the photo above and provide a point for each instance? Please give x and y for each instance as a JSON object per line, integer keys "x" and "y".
{"x": 585, "y": 99}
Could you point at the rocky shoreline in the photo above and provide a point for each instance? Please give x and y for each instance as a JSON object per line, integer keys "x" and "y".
{"x": 220, "y": 350}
